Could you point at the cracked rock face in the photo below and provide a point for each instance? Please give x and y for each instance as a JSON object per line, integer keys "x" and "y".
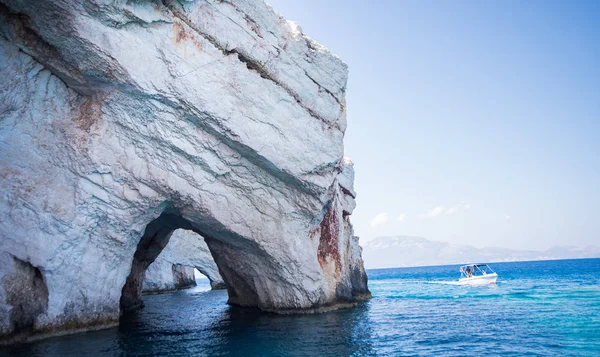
{"x": 123, "y": 121}
{"x": 174, "y": 267}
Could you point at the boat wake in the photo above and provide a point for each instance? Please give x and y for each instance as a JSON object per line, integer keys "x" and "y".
{"x": 444, "y": 282}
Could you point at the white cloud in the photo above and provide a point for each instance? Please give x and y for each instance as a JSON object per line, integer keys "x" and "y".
{"x": 380, "y": 219}
{"x": 402, "y": 217}
{"x": 507, "y": 217}
{"x": 458, "y": 207}
{"x": 448, "y": 211}
{"x": 434, "y": 212}
{"x": 452, "y": 210}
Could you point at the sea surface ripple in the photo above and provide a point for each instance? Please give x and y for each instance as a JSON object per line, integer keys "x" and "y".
{"x": 543, "y": 308}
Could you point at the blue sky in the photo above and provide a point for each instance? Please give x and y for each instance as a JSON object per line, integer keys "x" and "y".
{"x": 469, "y": 122}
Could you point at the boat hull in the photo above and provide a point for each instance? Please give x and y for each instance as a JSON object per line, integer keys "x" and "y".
{"x": 479, "y": 280}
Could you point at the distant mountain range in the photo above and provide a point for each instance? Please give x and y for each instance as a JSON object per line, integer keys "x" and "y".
{"x": 405, "y": 251}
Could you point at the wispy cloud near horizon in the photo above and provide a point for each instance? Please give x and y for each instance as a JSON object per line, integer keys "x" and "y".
{"x": 379, "y": 219}
{"x": 439, "y": 210}
{"x": 452, "y": 210}
{"x": 458, "y": 207}
{"x": 434, "y": 212}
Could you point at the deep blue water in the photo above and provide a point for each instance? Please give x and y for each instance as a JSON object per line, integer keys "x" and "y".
{"x": 547, "y": 308}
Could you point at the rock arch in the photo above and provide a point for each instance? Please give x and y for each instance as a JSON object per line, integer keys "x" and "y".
{"x": 115, "y": 117}
{"x": 155, "y": 239}
{"x": 173, "y": 269}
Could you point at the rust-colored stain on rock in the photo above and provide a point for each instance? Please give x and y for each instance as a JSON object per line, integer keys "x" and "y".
{"x": 328, "y": 245}
{"x": 88, "y": 114}
{"x": 314, "y": 233}
{"x": 180, "y": 34}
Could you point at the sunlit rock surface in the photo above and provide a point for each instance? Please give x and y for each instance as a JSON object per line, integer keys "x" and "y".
{"x": 174, "y": 267}
{"x": 122, "y": 121}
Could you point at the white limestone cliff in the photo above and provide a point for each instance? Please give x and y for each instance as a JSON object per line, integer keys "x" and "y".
{"x": 122, "y": 121}
{"x": 174, "y": 267}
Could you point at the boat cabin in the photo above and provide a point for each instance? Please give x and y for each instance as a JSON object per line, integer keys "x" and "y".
{"x": 472, "y": 270}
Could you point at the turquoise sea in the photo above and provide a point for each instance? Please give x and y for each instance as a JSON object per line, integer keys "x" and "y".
{"x": 542, "y": 308}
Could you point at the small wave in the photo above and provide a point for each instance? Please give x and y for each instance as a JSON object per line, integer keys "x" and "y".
{"x": 444, "y": 282}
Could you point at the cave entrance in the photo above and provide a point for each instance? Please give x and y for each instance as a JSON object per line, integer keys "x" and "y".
{"x": 156, "y": 237}
{"x": 184, "y": 258}
{"x": 203, "y": 283}
{"x": 237, "y": 259}
{"x": 26, "y": 293}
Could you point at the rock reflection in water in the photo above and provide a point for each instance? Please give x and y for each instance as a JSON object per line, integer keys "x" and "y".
{"x": 196, "y": 322}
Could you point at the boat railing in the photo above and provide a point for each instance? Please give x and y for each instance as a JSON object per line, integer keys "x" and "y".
{"x": 475, "y": 270}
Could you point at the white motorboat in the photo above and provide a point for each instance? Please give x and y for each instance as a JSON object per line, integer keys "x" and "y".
{"x": 477, "y": 274}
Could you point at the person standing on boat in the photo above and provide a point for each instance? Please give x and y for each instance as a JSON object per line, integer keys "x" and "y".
{"x": 468, "y": 272}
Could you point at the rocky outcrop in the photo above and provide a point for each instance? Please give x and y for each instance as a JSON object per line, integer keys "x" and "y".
{"x": 174, "y": 267}
{"x": 123, "y": 121}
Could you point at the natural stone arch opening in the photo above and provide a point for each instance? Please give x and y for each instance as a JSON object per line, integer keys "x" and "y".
{"x": 156, "y": 237}
{"x": 174, "y": 268}
{"x": 199, "y": 275}
{"x": 231, "y": 255}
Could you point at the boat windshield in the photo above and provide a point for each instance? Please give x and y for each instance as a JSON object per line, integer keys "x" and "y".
{"x": 471, "y": 270}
